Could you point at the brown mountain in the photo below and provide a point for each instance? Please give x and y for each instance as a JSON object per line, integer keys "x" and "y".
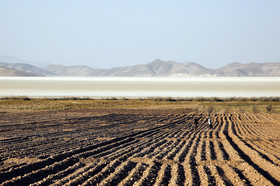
{"x": 12, "y": 72}
{"x": 24, "y": 67}
{"x": 249, "y": 70}
{"x": 156, "y": 68}
{"x": 170, "y": 68}
{"x": 76, "y": 70}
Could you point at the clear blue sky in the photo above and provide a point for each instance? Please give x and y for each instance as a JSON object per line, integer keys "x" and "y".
{"x": 107, "y": 33}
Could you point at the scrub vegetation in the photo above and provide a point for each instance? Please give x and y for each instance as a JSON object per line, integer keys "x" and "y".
{"x": 207, "y": 105}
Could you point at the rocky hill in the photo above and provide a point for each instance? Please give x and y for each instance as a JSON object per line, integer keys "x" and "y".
{"x": 26, "y": 68}
{"x": 250, "y": 70}
{"x": 76, "y": 70}
{"x": 156, "y": 68}
{"x": 12, "y": 72}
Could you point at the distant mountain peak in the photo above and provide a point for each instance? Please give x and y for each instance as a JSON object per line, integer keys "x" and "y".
{"x": 159, "y": 61}
{"x": 156, "y": 67}
{"x": 24, "y": 67}
{"x": 12, "y": 72}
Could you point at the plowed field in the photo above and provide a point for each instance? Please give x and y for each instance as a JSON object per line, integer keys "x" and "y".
{"x": 138, "y": 147}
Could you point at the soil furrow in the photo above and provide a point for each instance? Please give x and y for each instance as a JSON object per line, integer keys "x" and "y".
{"x": 247, "y": 158}
{"x": 132, "y": 147}
{"x": 135, "y": 174}
{"x": 152, "y": 175}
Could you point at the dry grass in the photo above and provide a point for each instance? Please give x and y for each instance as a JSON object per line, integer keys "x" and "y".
{"x": 215, "y": 105}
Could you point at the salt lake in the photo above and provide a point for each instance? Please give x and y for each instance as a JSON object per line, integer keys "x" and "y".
{"x": 139, "y": 87}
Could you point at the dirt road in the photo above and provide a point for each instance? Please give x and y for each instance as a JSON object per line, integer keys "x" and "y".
{"x": 141, "y": 147}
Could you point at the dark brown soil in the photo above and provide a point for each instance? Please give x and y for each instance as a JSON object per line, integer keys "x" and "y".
{"x": 138, "y": 146}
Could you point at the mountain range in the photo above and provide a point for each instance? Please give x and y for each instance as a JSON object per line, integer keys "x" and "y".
{"x": 156, "y": 68}
{"x": 12, "y": 72}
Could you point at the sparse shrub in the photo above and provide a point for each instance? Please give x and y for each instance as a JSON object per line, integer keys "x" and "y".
{"x": 26, "y": 98}
{"x": 18, "y": 98}
{"x": 110, "y": 98}
{"x": 157, "y": 99}
{"x": 217, "y": 99}
{"x": 170, "y": 99}
{"x": 269, "y": 108}
{"x": 241, "y": 110}
{"x": 163, "y": 99}
{"x": 231, "y": 99}
{"x": 254, "y": 109}
{"x": 199, "y": 99}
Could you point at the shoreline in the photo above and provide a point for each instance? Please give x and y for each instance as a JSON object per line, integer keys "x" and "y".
{"x": 158, "y": 98}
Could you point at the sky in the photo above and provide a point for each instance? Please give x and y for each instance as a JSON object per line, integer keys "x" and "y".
{"x": 107, "y": 33}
